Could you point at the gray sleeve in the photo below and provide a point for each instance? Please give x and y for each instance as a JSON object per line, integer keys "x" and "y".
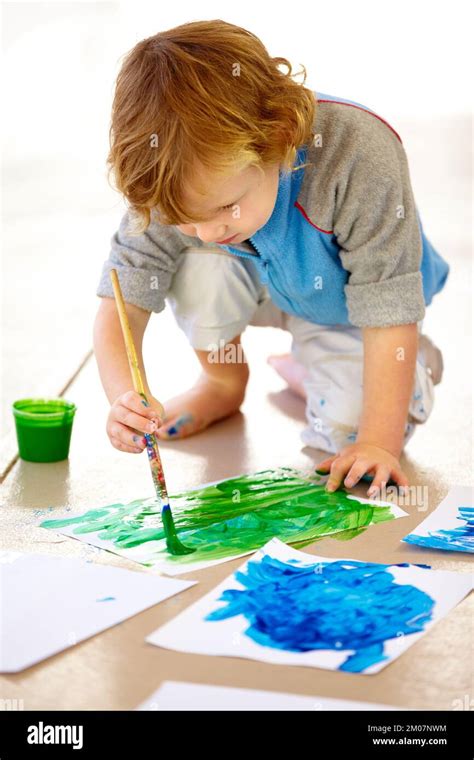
{"x": 376, "y": 226}
{"x": 145, "y": 264}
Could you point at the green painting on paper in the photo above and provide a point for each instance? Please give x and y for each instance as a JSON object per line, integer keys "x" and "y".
{"x": 228, "y": 519}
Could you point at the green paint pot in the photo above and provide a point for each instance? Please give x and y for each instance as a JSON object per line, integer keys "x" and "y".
{"x": 43, "y": 428}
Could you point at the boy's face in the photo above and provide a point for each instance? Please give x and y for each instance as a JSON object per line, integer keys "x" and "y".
{"x": 235, "y": 207}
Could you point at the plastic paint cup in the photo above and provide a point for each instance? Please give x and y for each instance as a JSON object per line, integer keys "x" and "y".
{"x": 43, "y": 428}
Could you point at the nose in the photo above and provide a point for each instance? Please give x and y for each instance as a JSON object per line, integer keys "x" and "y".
{"x": 211, "y": 234}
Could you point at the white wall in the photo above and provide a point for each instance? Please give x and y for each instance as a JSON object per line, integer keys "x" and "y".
{"x": 406, "y": 58}
{"x": 401, "y": 57}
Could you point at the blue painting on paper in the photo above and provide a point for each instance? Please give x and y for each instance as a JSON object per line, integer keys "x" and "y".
{"x": 459, "y": 539}
{"x": 341, "y": 605}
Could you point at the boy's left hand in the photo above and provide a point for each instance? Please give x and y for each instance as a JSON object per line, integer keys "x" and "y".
{"x": 357, "y": 459}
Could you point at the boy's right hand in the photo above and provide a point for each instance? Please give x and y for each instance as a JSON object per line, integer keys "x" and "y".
{"x": 129, "y": 419}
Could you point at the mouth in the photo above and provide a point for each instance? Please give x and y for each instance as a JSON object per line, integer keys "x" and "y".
{"x": 227, "y": 240}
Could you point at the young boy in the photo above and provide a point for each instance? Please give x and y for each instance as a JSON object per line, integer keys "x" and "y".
{"x": 262, "y": 202}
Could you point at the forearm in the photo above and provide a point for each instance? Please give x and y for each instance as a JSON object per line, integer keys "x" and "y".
{"x": 389, "y": 373}
{"x": 109, "y": 347}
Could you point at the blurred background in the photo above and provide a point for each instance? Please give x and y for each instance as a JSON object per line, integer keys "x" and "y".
{"x": 407, "y": 61}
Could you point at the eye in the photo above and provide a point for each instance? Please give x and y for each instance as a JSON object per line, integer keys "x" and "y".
{"x": 231, "y": 205}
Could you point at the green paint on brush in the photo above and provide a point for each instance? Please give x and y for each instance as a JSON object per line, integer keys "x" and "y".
{"x": 232, "y": 517}
{"x": 173, "y": 544}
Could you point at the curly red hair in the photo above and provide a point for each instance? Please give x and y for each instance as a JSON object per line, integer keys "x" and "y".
{"x": 205, "y": 92}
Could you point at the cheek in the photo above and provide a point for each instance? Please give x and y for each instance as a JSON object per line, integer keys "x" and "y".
{"x": 266, "y": 207}
{"x": 265, "y": 201}
{"x": 186, "y": 229}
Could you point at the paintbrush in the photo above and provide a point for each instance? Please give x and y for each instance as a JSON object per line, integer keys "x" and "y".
{"x": 172, "y": 541}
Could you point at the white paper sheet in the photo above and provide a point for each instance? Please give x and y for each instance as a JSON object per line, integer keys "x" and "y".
{"x": 175, "y": 695}
{"x": 146, "y": 554}
{"x": 48, "y": 604}
{"x": 446, "y": 518}
{"x": 190, "y": 632}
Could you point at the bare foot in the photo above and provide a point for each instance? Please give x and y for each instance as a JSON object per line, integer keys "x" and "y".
{"x": 206, "y": 402}
{"x": 291, "y": 371}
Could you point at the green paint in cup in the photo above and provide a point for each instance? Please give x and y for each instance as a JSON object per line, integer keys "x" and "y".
{"x": 43, "y": 428}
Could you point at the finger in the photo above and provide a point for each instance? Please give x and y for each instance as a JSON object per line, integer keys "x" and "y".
{"x": 128, "y": 437}
{"x": 399, "y": 477}
{"x": 138, "y": 441}
{"x": 118, "y": 444}
{"x": 358, "y": 469}
{"x": 133, "y": 401}
{"x": 326, "y": 464}
{"x": 338, "y": 469}
{"x": 124, "y": 416}
{"x": 155, "y": 408}
{"x": 382, "y": 475}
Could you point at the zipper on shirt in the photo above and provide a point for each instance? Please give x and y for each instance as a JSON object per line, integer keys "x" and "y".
{"x": 264, "y": 263}
{"x": 254, "y": 246}
{"x": 244, "y": 254}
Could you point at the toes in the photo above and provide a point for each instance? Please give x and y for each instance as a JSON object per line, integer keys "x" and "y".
{"x": 178, "y": 427}
{"x": 276, "y": 359}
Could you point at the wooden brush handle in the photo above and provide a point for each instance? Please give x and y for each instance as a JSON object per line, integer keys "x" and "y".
{"x": 127, "y": 336}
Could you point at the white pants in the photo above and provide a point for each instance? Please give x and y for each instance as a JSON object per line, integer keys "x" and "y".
{"x": 215, "y": 295}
